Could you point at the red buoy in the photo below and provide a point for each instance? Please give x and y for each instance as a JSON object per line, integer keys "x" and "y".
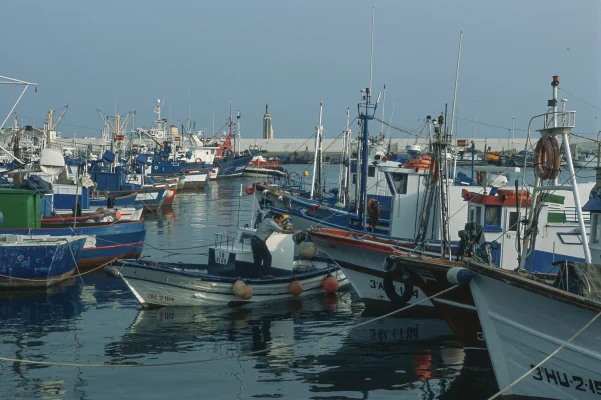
{"x": 330, "y": 284}
{"x": 295, "y": 288}
{"x": 250, "y": 189}
{"x": 248, "y": 293}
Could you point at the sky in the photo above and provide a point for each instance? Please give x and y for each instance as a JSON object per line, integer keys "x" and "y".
{"x": 198, "y": 56}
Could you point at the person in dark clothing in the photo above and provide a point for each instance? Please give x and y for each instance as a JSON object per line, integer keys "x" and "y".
{"x": 261, "y": 254}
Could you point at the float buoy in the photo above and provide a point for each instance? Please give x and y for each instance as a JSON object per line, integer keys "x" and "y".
{"x": 250, "y": 189}
{"x": 112, "y": 271}
{"x": 307, "y": 249}
{"x": 198, "y": 161}
{"x": 295, "y": 288}
{"x": 248, "y": 293}
{"x": 239, "y": 288}
{"x": 117, "y": 215}
{"x": 306, "y": 173}
{"x": 330, "y": 284}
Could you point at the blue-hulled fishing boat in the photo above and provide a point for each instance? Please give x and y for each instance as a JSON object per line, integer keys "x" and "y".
{"x": 103, "y": 243}
{"x": 31, "y": 261}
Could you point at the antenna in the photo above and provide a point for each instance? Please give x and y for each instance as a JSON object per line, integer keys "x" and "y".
{"x": 456, "y": 80}
{"x": 371, "y": 57}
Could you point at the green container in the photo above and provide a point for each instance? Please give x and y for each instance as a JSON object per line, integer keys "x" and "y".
{"x": 21, "y": 208}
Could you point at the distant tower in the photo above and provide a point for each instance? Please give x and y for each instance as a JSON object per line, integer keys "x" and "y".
{"x": 267, "y": 128}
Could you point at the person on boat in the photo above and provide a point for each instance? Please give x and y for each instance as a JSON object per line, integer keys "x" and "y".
{"x": 374, "y": 213}
{"x": 261, "y": 254}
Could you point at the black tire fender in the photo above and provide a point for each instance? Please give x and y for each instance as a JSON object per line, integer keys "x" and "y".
{"x": 393, "y": 271}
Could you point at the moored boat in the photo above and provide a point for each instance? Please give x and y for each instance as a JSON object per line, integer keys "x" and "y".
{"x": 29, "y": 261}
{"x": 229, "y": 277}
{"x": 104, "y": 243}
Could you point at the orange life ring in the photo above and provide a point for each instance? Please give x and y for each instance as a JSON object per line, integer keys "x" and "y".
{"x": 198, "y": 161}
{"x": 547, "y": 159}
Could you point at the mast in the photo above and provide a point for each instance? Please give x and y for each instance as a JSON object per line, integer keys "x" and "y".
{"x": 316, "y": 180}
{"x": 344, "y": 165}
{"x": 237, "y": 141}
{"x": 366, "y": 113}
{"x": 550, "y": 133}
{"x": 371, "y": 56}
{"x": 454, "y": 101}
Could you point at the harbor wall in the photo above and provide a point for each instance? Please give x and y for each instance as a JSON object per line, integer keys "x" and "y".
{"x": 279, "y": 147}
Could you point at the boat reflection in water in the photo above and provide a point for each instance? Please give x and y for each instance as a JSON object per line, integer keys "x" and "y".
{"x": 417, "y": 356}
{"x": 30, "y": 320}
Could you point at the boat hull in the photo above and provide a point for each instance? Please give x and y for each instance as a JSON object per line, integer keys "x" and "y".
{"x": 233, "y": 167}
{"x": 522, "y": 327}
{"x": 160, "y": 287}
{"x": 363, "y": 263}
{"x": 255, "y": 172}
{"x": 38, "y": 265}
{"x": 116, "y": 241}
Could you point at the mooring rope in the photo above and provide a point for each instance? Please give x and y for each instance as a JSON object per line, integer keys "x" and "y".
{"x": 546, "y": 358}
{"x": 238, "y": 355}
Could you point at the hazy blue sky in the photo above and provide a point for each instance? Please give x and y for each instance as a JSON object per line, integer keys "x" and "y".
{"x": 202, "y": 54}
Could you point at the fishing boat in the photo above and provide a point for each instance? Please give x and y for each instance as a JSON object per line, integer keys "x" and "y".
{"x": 229, "y": 277}
{"x": 125, "y": 200}
{"x": 103, "y": 242}
{"x": 261, "y": 167}
{"x": 30, "y": 261}
{"x": 106, "y": 215}
{"x": 543, "y": 339}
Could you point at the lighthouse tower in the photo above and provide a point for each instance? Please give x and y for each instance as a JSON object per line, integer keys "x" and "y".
{"x": 267, "y": 128}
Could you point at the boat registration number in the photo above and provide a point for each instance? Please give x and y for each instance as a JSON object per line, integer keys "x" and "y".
{"x": 221, "y": 257}
{"x": 160, "y": 297}
{"x": 567, "y": 380}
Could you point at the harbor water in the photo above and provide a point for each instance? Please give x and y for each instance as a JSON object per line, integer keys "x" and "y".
{"x": 259, "y": 352}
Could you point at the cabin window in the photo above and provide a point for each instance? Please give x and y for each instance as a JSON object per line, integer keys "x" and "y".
{"x": 354, "y": 179}
{"x": 475, "y": 214}
{"x": 400, "y": 182}
{"x": 377, "y": 157}
{"x": 371, "y": 171}
{"x": 513, "y": 221}
{"x": 493, "y": 216}
{"x": 596, "y": 228}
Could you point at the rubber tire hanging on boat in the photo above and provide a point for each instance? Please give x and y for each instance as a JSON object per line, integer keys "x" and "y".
{"x": 547, "y": 158}
{"x": 394, "y": 269}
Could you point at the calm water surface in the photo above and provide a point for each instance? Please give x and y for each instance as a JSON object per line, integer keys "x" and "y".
{"x": 96, "y": 320}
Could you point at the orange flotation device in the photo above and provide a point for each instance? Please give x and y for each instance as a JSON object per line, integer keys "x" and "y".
{"x": 420, "y": 164}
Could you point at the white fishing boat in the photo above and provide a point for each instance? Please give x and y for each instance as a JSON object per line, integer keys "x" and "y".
{"x": 229, "y": 277}
{"x": 544, "y": 340}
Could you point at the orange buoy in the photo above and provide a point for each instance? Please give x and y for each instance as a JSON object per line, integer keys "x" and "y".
{"x": 248, "y": 293}
{"x": 239, "y": 288}
{"x": 117, "y": 215}
{"x": 250, "y": 189}
{"x": 295, "y": 288}
{"x": 330, "y": 284}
